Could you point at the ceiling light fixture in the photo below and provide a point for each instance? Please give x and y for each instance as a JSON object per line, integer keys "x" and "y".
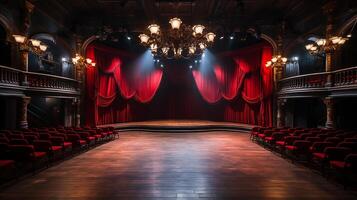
{"x": 179, "y": 41}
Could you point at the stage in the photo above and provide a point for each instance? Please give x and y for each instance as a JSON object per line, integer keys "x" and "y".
{"x": 181, "y": 126}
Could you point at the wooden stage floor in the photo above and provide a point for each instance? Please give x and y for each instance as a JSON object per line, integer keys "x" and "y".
{"x": 204, "y": 165}
{"x": 181, "y": 126}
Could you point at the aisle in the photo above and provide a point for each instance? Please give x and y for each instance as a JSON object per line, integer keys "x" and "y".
{"x": 214, "y": 165}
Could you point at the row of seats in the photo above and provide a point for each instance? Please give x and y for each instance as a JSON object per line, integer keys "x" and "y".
{"x": 331, "y": 150}
{"x": 29, "y": 149}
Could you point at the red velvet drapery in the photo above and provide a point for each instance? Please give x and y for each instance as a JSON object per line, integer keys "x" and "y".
{"x": 244, "y": 84}
{"x": 237, "y": 88}
{"x": 111, "y": 80}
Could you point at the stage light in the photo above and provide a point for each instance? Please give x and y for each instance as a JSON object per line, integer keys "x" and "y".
{"x": 203, "y": 55}
{"x": 162, "y": 66}
{"x": 129, "y": 38}
{"x": 157, "y": 60}
{"x": 190, "y": 66}
{"x": 221, "y": 38}
{"x": 196, "y": 61}
{"x": 231, "y": 37}
{"x": 64, "y": 59}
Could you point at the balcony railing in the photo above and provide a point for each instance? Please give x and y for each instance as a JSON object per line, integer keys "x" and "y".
{"x": 346, "y": 76}
{"x": 37, "y": 81}
{"x": 339, "y": 78}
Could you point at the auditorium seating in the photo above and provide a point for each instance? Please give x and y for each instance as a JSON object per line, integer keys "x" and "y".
{"x": 329, "y": 150}
{"x": 27, "y": 150}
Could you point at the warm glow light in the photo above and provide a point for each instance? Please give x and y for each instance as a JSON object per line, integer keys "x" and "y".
{"x": 274, "y": 59}
{"x": 284, "y": 59}
{"x": 19, "y": 38}
{"x": 198, "y": 30}
{"x": 202, "y": 46}
{"x": 43, "y": 47}
{"x": 89, "y": 61}
{"x": 335, "y": 39}
{"x": 74, "y": 60}
{"x": 342, "y": 41}
{"x": 35, "y": 43}
{"x": 313, "y": 48}
{"x": 321, "y": 42}
{"x": 154, "y": 29}
{"x": 349, "y": 35}
{"x": 210, "y": 37}
{"x": 309, "y": 46}
{"x": 179, "y": 51}
{"x": 191, "y": 49}
{"x": 144, "y": 38}
{"x": 175, "y": 23}
{"x": 165, "y": 50}
{"x": 153, "y": 48}
{"x": 93, "y": 64}
{"x": 268, "y": 64}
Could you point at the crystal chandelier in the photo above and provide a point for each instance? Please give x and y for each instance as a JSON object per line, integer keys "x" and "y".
{"x": 179, "y": 41}
{"x": 276, "y": 61}
{"x": 32, "y": 45}
{"x": 81, "y": 61}
{"x": 321, "y": 46}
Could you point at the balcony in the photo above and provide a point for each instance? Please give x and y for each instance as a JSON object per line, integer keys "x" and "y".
{"x": 15, "y": 81}
{"x": 344, "y": 83}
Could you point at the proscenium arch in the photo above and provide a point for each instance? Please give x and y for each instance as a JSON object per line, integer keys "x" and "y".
{"x": 267, "y": 38}
{"x": 85, "y": 44}
{"x": 9, "y": 28}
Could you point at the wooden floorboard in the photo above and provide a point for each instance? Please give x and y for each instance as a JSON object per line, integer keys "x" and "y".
{"x": 213, "y": 165}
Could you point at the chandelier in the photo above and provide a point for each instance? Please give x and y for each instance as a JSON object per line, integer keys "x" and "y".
{"x": 179, "y": 41}
{"x": 276, "y": 61}
{"x": 32, "y": 45}
{"x": 81, "y": 61}
{"x": 321, "y": 46}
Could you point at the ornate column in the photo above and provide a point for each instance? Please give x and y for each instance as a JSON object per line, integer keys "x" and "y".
{"x": 29, "y": 7}
{"x": 329, "y": 10}
{"x": 280, "y": 118}
{"x": 77, "y": 111}
{"x": 330, "y": 112}
{"x": 24, "y": 101}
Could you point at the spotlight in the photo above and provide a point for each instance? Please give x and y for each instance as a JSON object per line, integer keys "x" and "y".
{"x": 64, "y": 59}
{"x": 231, "y": 37}
{"x": 349, "y": 35}
{"x": 196, "y": 61}
{"x": 158, "y": 60}
{"x": 221, "y": 38}
{"x": 128, "y": 38}
{"x": 190, "y": 66}
{"x": 162, "y": 66}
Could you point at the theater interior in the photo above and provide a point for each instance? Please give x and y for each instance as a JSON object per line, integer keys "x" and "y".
{"x": 178, "y": 99}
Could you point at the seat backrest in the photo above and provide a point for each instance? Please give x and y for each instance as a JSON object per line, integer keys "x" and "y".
{"x": 18, "y": 142}
{"x": 42, "y": 145}
{"x": 320, "y": 146}
{"x": 351, "y": 145}
{"x": 21, "y": 152}
{"x": 350, "y": 140}
{"x": 337, "y": 153}
{"x": 290, "y": 139}
{"x": 351, "y": 160}
{"x": 333, "y": 140}
{"x": 15, "y": 136}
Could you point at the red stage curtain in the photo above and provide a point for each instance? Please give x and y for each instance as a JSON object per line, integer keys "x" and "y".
{"x": 110, "y": 80}
{"x": 237, "y": 88}
{"x": 245, "y": 82}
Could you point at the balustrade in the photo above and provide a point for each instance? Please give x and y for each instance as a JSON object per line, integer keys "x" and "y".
{"x": 344, "y": 77}
{"x": 10, "y": 76}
